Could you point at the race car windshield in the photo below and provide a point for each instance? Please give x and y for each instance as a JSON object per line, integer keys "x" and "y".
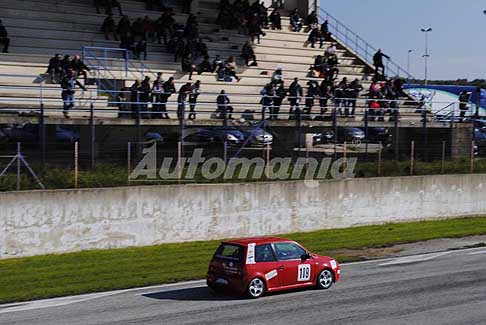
{"x": 230, "y": 252}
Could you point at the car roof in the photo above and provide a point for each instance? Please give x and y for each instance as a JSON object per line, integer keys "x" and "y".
{"x": 256, "y": 240}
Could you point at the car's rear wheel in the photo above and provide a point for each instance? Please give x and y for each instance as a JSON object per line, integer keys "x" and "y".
{"x": 325, "y": 279}
{"x": 256, "y": 288}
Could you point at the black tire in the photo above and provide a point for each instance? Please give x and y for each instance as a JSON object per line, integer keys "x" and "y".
{"x": 325, "y": 279}
{"x": 216, "y": 289}
{"x": 256, "y": 288}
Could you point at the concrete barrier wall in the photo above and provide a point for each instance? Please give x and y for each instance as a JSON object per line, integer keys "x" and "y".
{"x": 34, "y": 223}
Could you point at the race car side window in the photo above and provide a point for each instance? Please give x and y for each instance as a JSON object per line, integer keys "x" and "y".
{"x": 264, "y": 253}
{"x": 288, "y": 251}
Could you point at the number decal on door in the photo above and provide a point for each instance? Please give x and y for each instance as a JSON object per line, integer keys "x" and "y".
{"x": 304, "y": 272}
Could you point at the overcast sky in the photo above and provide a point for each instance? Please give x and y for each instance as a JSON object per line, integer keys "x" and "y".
{"x": 457, "y": 42}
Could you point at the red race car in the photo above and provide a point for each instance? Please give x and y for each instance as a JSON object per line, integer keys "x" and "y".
{"x": 258, "y": 265}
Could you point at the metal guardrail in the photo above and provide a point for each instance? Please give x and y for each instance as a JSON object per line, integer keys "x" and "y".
{"x": 361, "y": 47}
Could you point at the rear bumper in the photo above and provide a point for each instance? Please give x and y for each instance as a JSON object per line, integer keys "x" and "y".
{"x": 225, "y": 283}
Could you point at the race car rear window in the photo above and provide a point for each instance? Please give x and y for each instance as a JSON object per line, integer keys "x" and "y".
{"x": 230, "y": 252}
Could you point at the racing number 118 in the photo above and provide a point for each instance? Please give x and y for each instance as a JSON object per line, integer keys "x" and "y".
{"x": 304, "y": 272}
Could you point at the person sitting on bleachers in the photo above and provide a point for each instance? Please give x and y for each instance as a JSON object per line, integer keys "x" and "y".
{"x": 275, "y": 20}
{"x": 312, "y": 21}
{"x": 204, "y": 66}
{"x": 314, "y": 37}
{"x": 230, "y": 68}
{"x": 296, "y": 21}
{"x": 54, "y": 70}
{"x": 109, "y": 27}
{"x": 248, "y": 54}
{"x": 4, "y": 38}
{"x": 80, "y": 69}
{"x": 66, "y": 64}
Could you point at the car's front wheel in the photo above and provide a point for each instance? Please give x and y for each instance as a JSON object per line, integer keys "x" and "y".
{"x": 256, "y": 288}
{"x": 325, "y": 279}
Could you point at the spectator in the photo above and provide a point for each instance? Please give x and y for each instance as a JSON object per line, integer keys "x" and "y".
{"x": 230, "y": 68}
{"x": 340, "y": 99}
{"x": 4, "y": 38}
{"x": 80, "y": 69}
{"x": 149, "y": 29}
{"x": 267, "y": 94}
{"x": 277, "y": 77}
{"x": 296, "y": 21}
{"x": 137, "y": 30}
{"x": 295, "y": 94}
{"x": 55, "y": 68}
{"x": 325, "y": 27}
{"x": 195, "y": 91}
{"x": 312, "y": 21}
{"x": 378, "y": 62}
{"x": 122, "y": 99}
{"x": 205, "y": 66}
{"x": 354, "y": 89}
{"x": 135, "y": 91}
{"x": 100, "y": 4}
{"x": 169, "y": 89}
{"x": 314, "y": 37}
{"x": 275, "y": 20}
{"x": 124, "y": 27}
{"x": 68, "y": 85}
{"x": 109, "y": 27}
{"x": 66, "y": 64}
{"x": 184, "y": 91}
{"x": 157, "y": 94}
{"x": 312, "y": 93}
{"x": 140, "y": 47}
{"x": 325, "y": 93}
{"x": 248, "y": 54}
{"x": 187, "y": 64}
{"x": 164, "y": 26}
{"x": 110, "y": 4}
{"x": 145, "y": 92}
{"x": 280, "y": 94}
{"x": 180, "y": 47}
{"x": 254, "y": 28}
{"x": 330, "y": 50}
{"x": 224, "y": 108}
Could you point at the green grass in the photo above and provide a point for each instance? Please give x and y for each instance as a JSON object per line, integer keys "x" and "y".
{"x": 99, "y": 270}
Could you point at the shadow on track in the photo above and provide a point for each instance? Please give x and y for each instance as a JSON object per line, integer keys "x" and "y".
{"x": 192, "y": 294}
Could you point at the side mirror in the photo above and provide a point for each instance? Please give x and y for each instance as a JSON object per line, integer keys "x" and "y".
{"x": 305, "y": 257}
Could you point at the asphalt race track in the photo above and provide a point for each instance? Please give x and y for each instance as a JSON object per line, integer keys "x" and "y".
{"x": 441, "y": 288}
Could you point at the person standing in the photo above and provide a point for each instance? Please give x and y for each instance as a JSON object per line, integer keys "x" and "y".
{"x": 169, "y": 89}
{"x": 184, "y": 91}
{"x": 354, "y": 89}
{"x": 109, "y": 27}
{"x": 195, "y": 91}
{"x": 145, "y": 92}
{"x": 224, "y": 109}
{"x": 378, "y": 62}
{"x": 295, "y": 94}
{"x": 157, "y": 93}
{"x": 68, "y": 84}
{"x": 267, "y": 94}
{"x": 280, "y": 94}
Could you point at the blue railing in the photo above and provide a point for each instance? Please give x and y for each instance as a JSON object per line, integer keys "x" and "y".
{"x": 361, "y": 47}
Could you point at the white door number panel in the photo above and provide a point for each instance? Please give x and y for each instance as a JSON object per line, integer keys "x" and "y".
{"x": 304, "y": 272}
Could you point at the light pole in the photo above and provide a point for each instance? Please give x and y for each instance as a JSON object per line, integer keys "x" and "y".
{"x": 408, "y": 60}
{"x": 426, "y": 56}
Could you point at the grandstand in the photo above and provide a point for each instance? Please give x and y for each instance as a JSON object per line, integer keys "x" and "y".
{"x": 39, "y": 29}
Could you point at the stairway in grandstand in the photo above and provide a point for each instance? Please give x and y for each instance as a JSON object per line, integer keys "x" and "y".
{"x": 39, "y": 29}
